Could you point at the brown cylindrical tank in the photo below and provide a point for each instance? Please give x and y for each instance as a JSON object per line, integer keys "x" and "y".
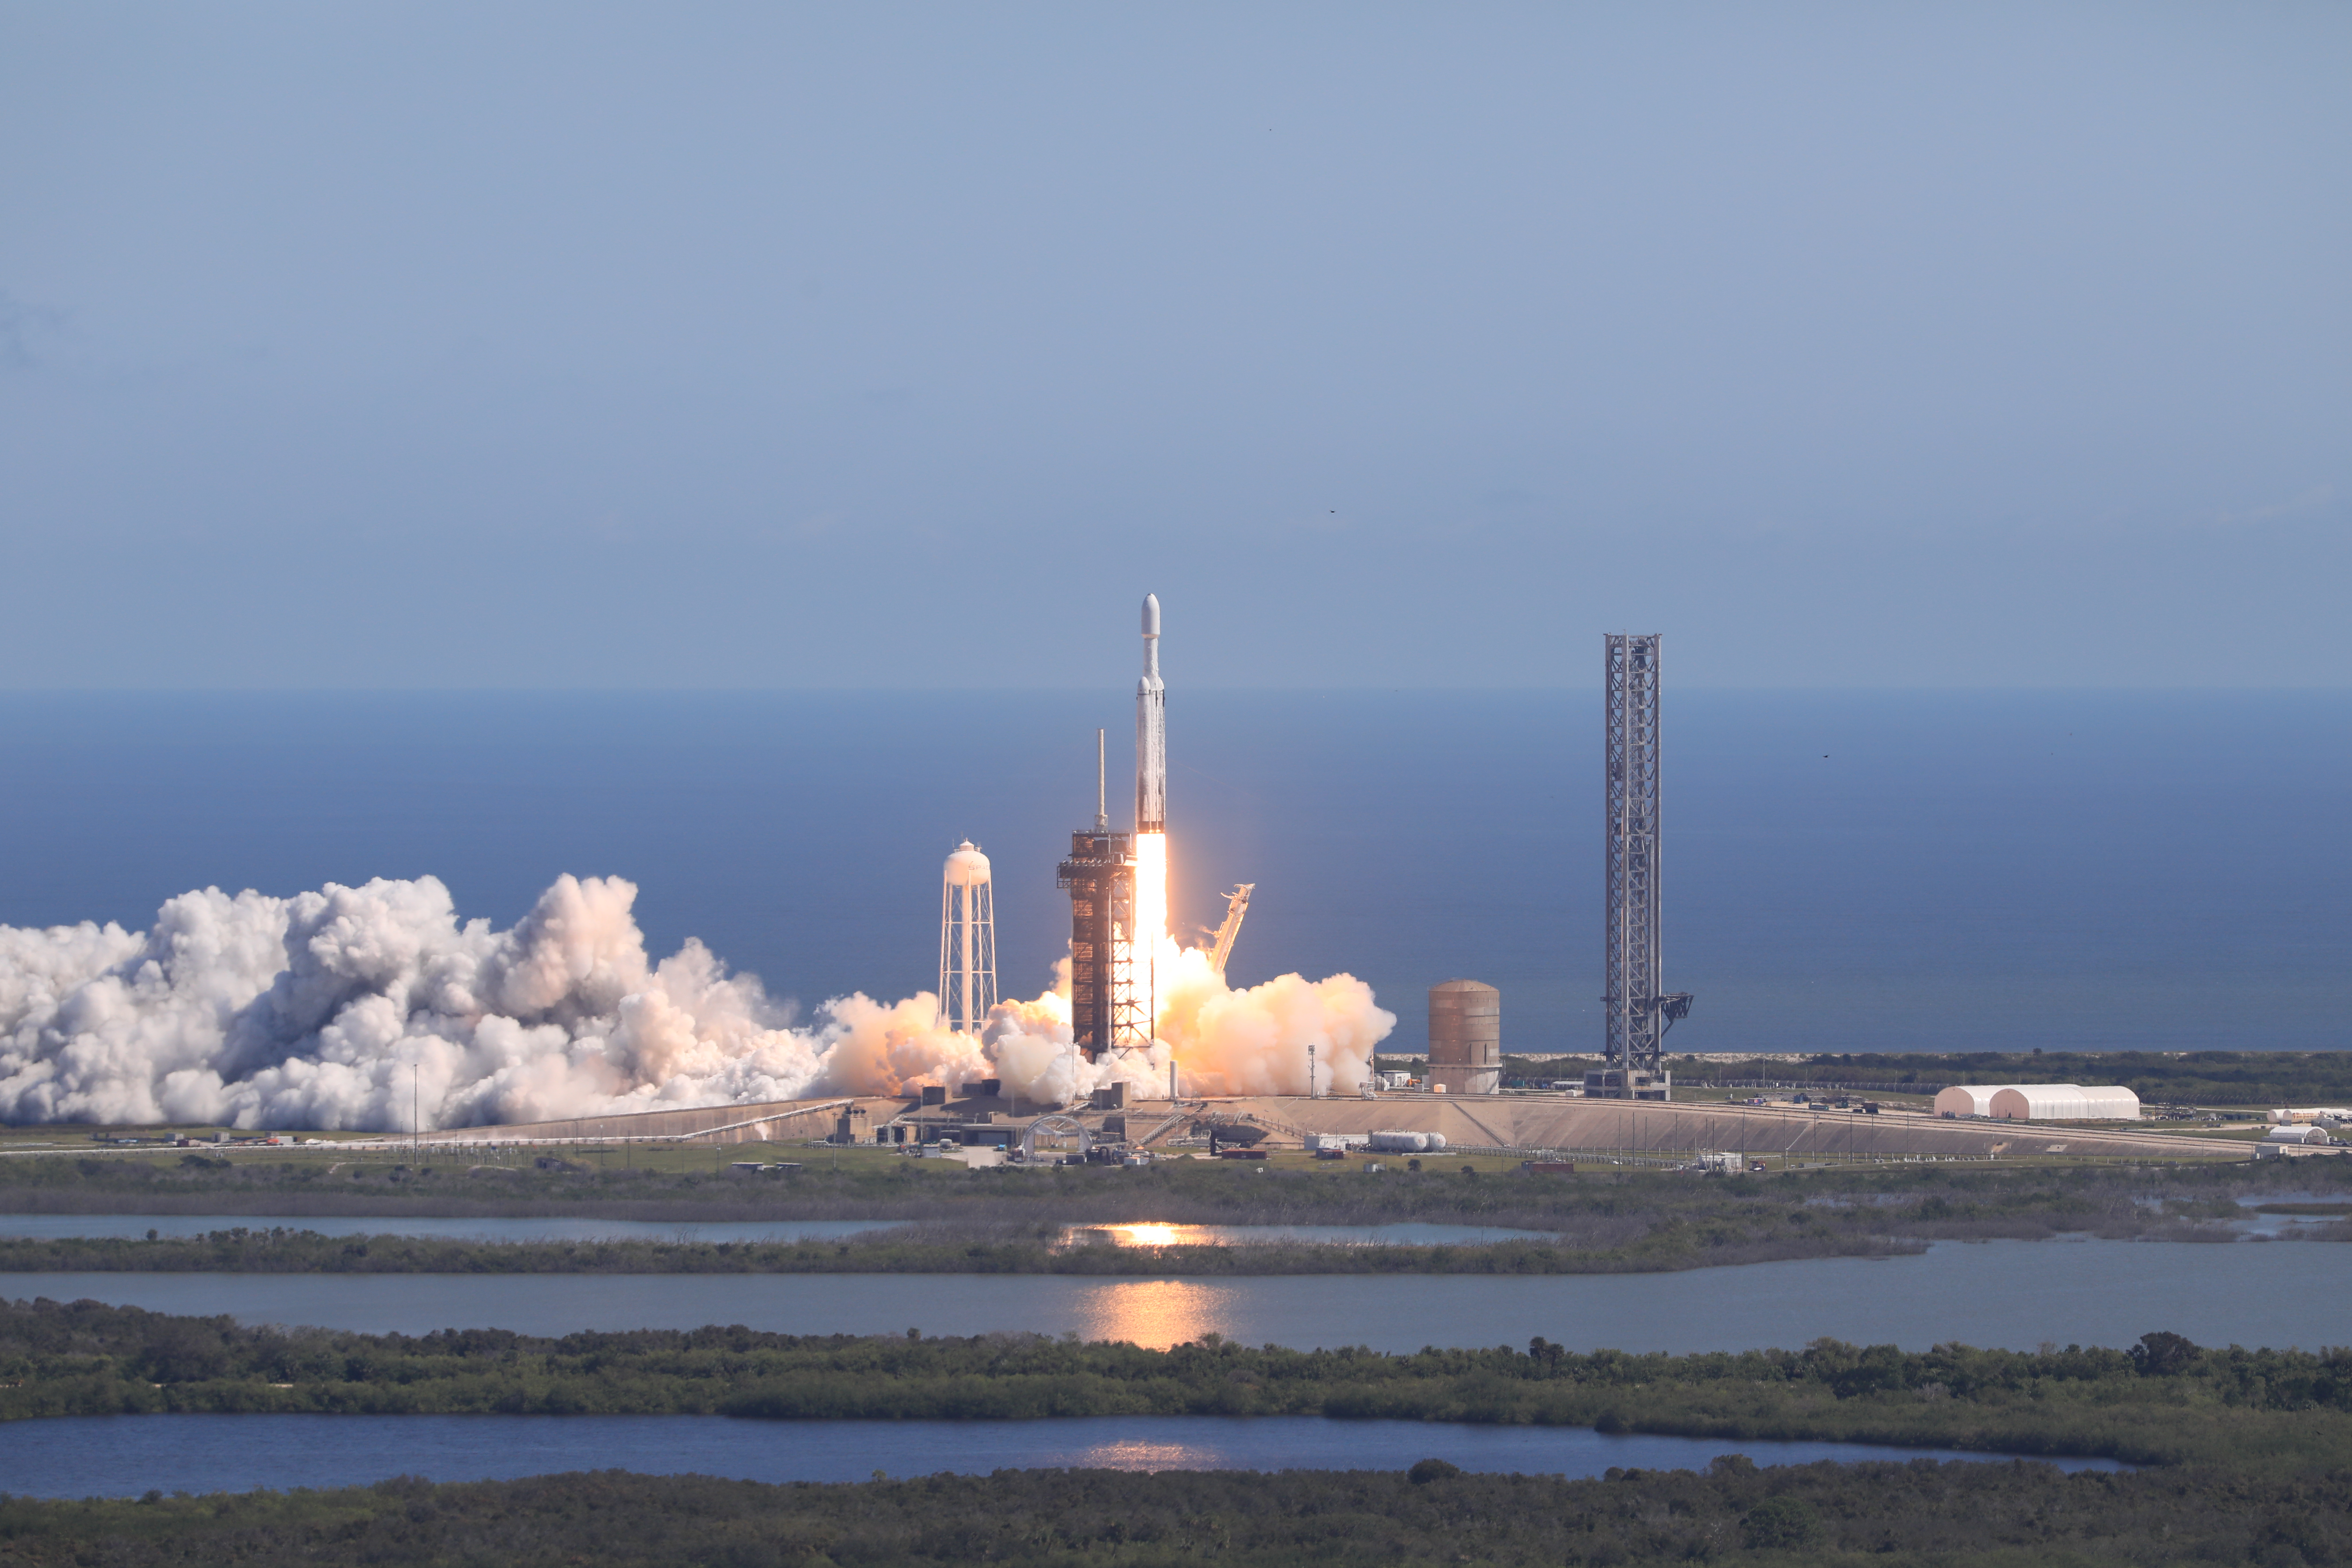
{"x": 1465, "y": 1036}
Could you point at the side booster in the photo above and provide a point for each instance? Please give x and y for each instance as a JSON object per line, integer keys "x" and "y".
{"x": 1150, "y": 730}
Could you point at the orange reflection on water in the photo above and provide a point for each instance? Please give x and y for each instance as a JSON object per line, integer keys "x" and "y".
{"x": 1136, "y": 1454}
{"x": 1146, "y": 1235}
{"x": 1149, "y": 1235}
{"x": 1155, "y": 1313}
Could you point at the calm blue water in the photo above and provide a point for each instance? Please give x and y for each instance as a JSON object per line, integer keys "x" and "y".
{"x": 123, "y": 1456}
{"x": 2009, "y": 1294}
{"x": 1846, "y": 871}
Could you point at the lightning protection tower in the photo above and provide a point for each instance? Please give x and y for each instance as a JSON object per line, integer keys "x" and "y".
{"x": 967, "y": 941}
{"x": 1640, "y": 1009}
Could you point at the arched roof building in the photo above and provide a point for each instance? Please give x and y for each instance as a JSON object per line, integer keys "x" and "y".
{"x": 2064, "y": 1102}
{"x": 1965, "y": 1099}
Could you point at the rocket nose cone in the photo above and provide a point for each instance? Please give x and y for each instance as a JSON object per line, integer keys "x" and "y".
{"x": 1152, "y": 615}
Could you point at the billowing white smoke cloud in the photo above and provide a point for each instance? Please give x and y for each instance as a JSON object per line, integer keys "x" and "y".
{"x": 315, "y": 1011}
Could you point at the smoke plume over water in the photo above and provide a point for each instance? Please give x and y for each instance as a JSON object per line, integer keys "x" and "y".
{"x": 315, "y": 1011}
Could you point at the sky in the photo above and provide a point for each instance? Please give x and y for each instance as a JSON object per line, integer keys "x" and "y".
{"x": 578, "y": 345}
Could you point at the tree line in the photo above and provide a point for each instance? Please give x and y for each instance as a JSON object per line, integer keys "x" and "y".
{"x": 2162, "y": 1401}
{"x": 1961, "y": 1514}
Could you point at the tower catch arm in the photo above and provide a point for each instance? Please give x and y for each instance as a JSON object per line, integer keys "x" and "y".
{"x": 1237, "y": 906}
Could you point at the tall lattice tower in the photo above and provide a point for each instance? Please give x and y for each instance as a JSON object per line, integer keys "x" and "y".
{"x": 1105, "y": 1008}
{"x": 967, "y": 941}
{"x": 1641, "y": 1010}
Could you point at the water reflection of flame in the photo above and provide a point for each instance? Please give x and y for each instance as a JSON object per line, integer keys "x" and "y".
{"x": 1149, "y": 1235}
{"x": 1134, "y": 1454}
{"x": 1155, "y": 1313}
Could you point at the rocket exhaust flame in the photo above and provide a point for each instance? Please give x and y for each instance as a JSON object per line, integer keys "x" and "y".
{"x": 1150, "y": 933}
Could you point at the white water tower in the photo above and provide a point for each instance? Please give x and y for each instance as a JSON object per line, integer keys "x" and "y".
{"x": 967, "y": 941}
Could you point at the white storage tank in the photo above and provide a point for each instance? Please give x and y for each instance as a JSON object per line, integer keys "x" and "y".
{"x": 1393, "y": 1141}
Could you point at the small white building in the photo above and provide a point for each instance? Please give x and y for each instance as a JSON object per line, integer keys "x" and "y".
{"x": 2296, "y": 1133}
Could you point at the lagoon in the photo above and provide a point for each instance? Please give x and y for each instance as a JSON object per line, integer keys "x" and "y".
{"x": 2011, "y": 1294}
{"x": 124, "y": 1456}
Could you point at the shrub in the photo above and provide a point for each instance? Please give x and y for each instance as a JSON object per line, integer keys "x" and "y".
{"x": 1780, "y": 1523}
{"x": 1429, "y": 1470}
{"x": 2162, "y": 1354}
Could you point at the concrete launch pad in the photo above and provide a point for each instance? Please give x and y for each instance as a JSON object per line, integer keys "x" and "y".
{"x": 1527, "y": 1124}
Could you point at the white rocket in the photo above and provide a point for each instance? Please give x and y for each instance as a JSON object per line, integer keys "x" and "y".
{"x": 1150, "y": 730}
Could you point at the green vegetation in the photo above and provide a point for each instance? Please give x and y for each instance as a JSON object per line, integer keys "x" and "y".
{"x": 2163, "y": 1402}
{"x": 1606, "y": 1220}
{"x": 938, "y": 1249}
{"x": 2252, "y": 1451}
{"x": 1960, "y": 1514}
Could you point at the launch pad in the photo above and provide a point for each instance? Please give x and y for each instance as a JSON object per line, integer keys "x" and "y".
{"x": 1518, "y": 1127}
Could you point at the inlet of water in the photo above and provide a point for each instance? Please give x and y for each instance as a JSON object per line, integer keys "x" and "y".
{"x": 2012, "y": 1294}
{"x": 124, "y": 1456}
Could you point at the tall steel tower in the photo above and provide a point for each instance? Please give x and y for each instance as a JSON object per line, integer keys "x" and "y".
{"x": 967, "y": 941}
{"x": 1641, "y": 1010}
{"x": 1100, "y": 876}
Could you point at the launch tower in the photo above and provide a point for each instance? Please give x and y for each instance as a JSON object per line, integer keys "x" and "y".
{"x": 1640, "y": 1009}
{"x": 1104, "y": 1012}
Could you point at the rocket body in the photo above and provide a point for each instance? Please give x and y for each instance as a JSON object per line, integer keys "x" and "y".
{"x": 1150, "y": 730}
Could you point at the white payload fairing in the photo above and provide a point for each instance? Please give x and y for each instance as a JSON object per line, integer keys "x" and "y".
{"x": 1150, "y": 730}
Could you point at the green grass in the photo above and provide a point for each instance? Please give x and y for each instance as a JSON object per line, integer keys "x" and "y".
{"x": 1605, "y": 1220}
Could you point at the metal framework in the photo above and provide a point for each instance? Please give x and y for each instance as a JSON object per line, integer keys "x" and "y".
{"x": 1237, "y": 906}
{"x": 1106, "y": 1013}
{"x": 1060, "y": 1126}
{"x": 1640, "y": 1009}
{"x": 1100, "y": 876}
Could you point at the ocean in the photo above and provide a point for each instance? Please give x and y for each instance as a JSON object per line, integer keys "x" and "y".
{"x": 1844, "y": 871}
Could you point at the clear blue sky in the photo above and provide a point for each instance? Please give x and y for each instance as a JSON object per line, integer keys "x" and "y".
{"x": 567, "y": 344}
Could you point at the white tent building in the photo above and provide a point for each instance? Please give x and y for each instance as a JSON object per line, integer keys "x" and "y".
{"x": 2064, "y": 1102}
{"x": 1965, "y": 1099}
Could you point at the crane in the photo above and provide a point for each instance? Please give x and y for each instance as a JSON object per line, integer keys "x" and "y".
{"x": 1237, "y": 906}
